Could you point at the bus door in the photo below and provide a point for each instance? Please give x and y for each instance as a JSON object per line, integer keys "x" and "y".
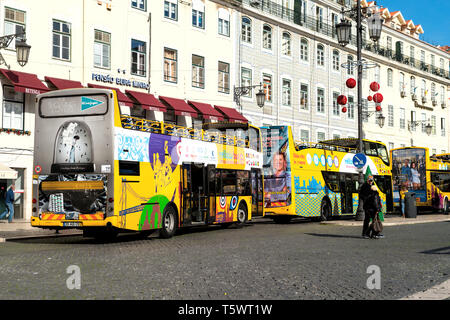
{"x": 346, "y": 185}
{"x": 186, "y": 194}
{"x": 257, "y": 192}
{"x": 200, "y": 199}
{"x": 211, "y": 193}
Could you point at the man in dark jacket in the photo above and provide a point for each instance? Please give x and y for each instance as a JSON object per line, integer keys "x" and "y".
{"x": 9, "y": 211}
{"x": 369, "y": 195}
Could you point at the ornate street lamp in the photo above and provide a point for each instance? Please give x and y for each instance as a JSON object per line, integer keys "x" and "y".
{"x": 23, "y": 52}
{"x": 428, "y": 126}
{"x": 22, "y": 48}
{"x": 260, "y": 95}
{"x": 375, "y": 24}
{"x": 343, "y": 31}
{"x": 380, "y": 120}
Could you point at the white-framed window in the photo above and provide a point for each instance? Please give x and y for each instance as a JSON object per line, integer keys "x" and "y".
{"x": 336, "y": 111}
{"x": 390, "y": 77}
{"x": 423, "y": 90}
{"x": 350, "y": 65}
{"x": 402, "y": 118}
{"x": 304, "y": 135}
{"x": 442, "y": 94}
{"x": 139, "y": 4}
{"x": 336, "y": 60}
{"x": 391, "y": 146}
{"x": 138, "y": 57}
{"x": 61, "y": 40}
{"x": 267, "y": 84}
{"x": 13, "y": 108}
{"x": 198, "y": 14}
{"x": 246, "y": 30}
{"x": 224, "y": 22}
{"x": 412, "y": 82}
{"x": 320, "y": 100}
{"x": 377, "y": 74}
{"x": 320, "y": 55}
{"x": 286, "y": 44}
{"x": 198, "y": 71}
{"x": 246, "y": 80}
{"x": 224, "y": 77}
{"x": 351, "y": 107}
{"x": 390, "y": 116}
{"x": 171, "y": 9}
{"x": 102, "y": 49}
{"x": 433, "y": 91}
{"x": 433, "y": 124}
{"x": 319, "y": 18}
{"x": 170, "y": 65}
{"x": 304, "y": 48}
{"x": 14, "y": 23}
{"x": 286, "y": 92}
{"x": 443, "y": 127}
{"x": 304, "y": 96}
{"x": 365, "y": 110}
{"x": 424, "y": 119}
{"x": 267, "y": 37}
{"x": 320, "y": 136}
{"x": 413, "y": 120}
{"x": 401, "y": 82}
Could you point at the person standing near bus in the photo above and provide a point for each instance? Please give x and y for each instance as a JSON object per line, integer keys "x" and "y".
{"x": 9, "y": 201}
{"x": 370, "y": 197}
{"x": 402, "y": 199}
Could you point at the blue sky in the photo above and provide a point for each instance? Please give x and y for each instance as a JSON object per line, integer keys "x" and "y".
{"x": 433, "y": 15}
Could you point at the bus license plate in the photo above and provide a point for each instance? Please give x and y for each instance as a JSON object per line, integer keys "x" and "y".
{"x": 71, "y": 224}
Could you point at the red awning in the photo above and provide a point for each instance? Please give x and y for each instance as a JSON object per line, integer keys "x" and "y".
{"x": 121, "y": 97}
{"x": 231, "y": 114}
{"x": 147, "y": 100}
{"x": 25, "y": 82}
{"x": 206, "y": 110}
{"x": 180, "y": 106}
{"x": 61, "y": 84}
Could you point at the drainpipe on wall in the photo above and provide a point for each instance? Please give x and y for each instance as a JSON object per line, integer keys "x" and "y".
{"x": 149, "y": 20}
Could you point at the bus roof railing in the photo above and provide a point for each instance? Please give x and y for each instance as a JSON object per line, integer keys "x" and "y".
{"x": 299, "y": 145}
{"x": 145, "y": 125}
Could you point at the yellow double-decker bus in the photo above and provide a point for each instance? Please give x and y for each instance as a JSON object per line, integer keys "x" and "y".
{"x": 103, "y": 172}
{"x": 318, "y": 180}
{"x": 425, "y": 175}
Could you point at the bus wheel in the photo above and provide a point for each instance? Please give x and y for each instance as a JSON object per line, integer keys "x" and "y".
{"x": 242, "y": 214}
{"x": 168, "y": 222}
{"x": 446, "y": 206}
{"x": 325, "y": 211}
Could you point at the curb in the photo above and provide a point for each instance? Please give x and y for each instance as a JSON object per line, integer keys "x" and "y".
{"x": 385, "y": 223}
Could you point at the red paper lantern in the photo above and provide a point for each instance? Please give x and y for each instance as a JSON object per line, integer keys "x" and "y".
{"x": 378, "y": 108}
{"x": 351, "y": 83}
{"x": 344, "y": 110}
{"x": 375, "y": 86}
{"x": 378, "y": 97}
{"x": 342, "y": 100}
{"x": 369, "y": 98}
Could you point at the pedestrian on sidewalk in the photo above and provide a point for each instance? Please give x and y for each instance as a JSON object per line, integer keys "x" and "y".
{"x": 402, "y": 199}
{"x": 371, "y": 205}
{"x": 9, "y": 201}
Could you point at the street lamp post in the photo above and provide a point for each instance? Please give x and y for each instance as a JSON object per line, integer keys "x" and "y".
{"x": 22, "y": 48}
{"x": 343, "y": 30}
{"x": 239, "y": 91}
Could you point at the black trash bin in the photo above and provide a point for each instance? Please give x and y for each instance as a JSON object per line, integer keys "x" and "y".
{"x": 410, "y": 205}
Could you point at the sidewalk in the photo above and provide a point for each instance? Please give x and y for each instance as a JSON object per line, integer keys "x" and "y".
{"x": 22, "y": 229}
{"x": 393, "y": 220}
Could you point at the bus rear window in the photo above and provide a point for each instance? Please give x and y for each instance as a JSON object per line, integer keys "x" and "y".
{"x": 73, "y": 106}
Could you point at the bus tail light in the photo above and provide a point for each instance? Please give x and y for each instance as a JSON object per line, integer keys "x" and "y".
{"x": 34, "y": 200}
{"x": 110, "y": 200}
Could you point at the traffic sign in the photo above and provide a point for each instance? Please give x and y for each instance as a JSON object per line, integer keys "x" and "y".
{"x": 359, "y": 160}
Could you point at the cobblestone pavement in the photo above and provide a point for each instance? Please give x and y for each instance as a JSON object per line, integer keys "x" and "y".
{"x": 301, "y": 260}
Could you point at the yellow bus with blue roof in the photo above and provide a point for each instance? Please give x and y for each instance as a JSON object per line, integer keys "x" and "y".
{"x": 318, "y": 180}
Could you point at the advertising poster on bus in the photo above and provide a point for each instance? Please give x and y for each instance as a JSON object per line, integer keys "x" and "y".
{"x": 408, "y": 170}
{"x": 277, "y": 167}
